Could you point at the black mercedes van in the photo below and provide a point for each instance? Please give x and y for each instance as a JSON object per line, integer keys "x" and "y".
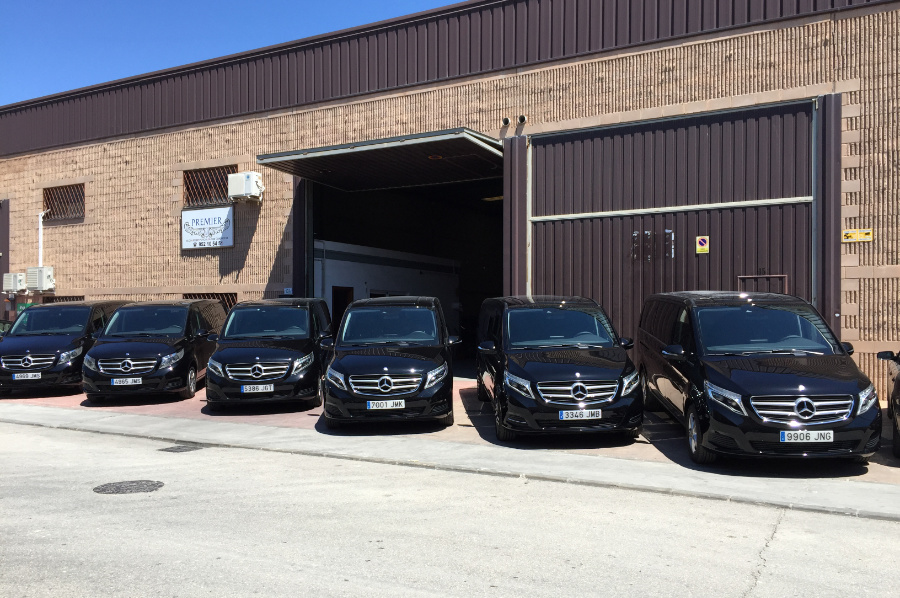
{"x": 269, "y": 351}
{"x": 755, "y": 374}
{"x": 153, "y": 347}
{"x": 47, "y": 343}
{"x": 555, "y": 365}
{"x": 391, "y": 361}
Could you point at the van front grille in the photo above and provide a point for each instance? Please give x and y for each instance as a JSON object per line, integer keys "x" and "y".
{"x": 384, "y": 385}
{"x": 803, "y": 410}
{"x": 125, "y": 366}
{"x": 27, "y": 362}
{"x": 573, "y": 393}
{"x": 257, "y": 371}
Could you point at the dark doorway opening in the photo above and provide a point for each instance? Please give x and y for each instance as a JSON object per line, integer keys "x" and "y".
{"x": 341, "y": 298}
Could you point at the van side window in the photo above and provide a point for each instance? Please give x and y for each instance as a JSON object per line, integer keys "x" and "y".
{"x": 682, "y": 333}
{"x": 98, "y": 320}
{"x": 194, "y": 321}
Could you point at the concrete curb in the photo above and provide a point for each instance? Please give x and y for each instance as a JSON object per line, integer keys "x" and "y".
{"x": 829, "y": 496}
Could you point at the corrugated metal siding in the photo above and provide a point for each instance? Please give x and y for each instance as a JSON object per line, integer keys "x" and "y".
{"x": 619, "y": 261}
{"x": 458, "y": 41}
{"x": 738, "y": 156}
{"x": 515, "y": 215}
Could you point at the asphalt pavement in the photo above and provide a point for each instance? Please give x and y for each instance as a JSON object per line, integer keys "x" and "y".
{"x": 236, "y": 522}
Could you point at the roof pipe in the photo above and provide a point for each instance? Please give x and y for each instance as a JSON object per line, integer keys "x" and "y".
{"x": 41, "y": 237}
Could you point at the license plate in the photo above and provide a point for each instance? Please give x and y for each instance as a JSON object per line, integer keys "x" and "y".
{"x": 580, "y": 414}
{"x": 807, "y": 436}
{"x": 27, "y": 376}
{"x": 257, "y": 388}
{"x": 395, "y": 404}
{"x": 125, "y": 381}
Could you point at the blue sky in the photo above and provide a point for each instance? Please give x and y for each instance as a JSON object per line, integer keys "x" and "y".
{"x": 49, "y": 46}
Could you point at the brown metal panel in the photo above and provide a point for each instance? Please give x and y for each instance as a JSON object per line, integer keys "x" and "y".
{"x": 515, "y": 215}
{"x": 828, "y": 207}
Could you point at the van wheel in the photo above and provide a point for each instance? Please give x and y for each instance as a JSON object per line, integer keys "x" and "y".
{"x": 482, "y": 392}
{"x": 332, "y": 424}
{"x": 448, "y": 419}
{"x": 190, "y": 388}
{"x": 650, "y": 402}
{"x": 895, "y": 445}
{"x": 95, "y": 398}
{"x": 699, "y": 454}
{"x": 503, "y": 434}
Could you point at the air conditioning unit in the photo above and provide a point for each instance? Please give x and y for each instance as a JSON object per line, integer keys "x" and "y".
{"x": 245, "y": 186}
{"x": 40, "y": 278}
{"x": 14, "y": 282}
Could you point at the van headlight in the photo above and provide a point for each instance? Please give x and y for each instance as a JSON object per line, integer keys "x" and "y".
{"x": 436, "y": 375}
{"x": 215, "y": 367}
{"x": 867, "y": 399}
{"x": 171, "y": 359}
{"x": 630, "y": 382}
{"x": 520, "y": 385}
{"x": 90, "y": 363}
{"x": 725, "y": 398}
{"x": 69, "y": 355}
{"x": 336, "y": 378}
{"x": 302, "y": 363}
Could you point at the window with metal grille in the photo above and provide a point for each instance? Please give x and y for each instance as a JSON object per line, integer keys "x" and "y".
{"x": 64, "y": 299}
{"x": 207, "y": 186}
{"x": 227, "y": 299}
{"x": 64, "y": 203}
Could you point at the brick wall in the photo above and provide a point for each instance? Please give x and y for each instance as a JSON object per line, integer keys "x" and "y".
{"x": 129, "y": 242}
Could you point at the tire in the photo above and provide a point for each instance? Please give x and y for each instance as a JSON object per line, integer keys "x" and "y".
{"x": 634, "y": 434}
{"x": 447, "y": 421}
{"x": 860, "y": 459}
{"x": 650, "y": 402}
{"x": 503, "y": 434}
{"x": 332, "y": 424}
{"x": 699, "y": 454}
{"x": 213, "y": 407}
{"x": 482, "y": 392}
{"x": 95, "y": 398}
{"x": 895, "y": 445}
{"x": 191, "y": 387}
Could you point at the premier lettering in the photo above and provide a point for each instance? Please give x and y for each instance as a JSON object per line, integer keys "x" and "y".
{"x": 206, "y": 221}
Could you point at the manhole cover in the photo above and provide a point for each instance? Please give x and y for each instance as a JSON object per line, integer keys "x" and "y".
{"x": 132, "y": 487}
{"x": 180, "y": 448}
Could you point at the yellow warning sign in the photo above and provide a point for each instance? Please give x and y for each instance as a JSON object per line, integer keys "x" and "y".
{"x": 857, "y": 235}
{"x": 702, "y": 244}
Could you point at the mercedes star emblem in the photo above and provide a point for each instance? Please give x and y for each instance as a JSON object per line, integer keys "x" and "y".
{"x": 256, "y": 371}
{"x": 579, "y": 391}
{"x": 804, "y": 408}
{"x": 26, "y": 361}
{"x": 127, "y": 365}
{"x": 385, "y": 384}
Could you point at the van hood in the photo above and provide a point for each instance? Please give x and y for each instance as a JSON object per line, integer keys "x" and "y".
{"x": 145, "y": 348}
{"x": 388, "y": 359}
{"x": 246, "y": 350}
{"x": 39, "y": 345}
{"x": 564, "y": 364}
{"x": 785, "y": 374}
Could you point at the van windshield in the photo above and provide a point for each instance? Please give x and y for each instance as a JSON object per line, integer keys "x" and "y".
{"x": 269, "y": 321}
{"x": 151, "y": 320}
{"x": 538, "y": 328}
{"x": 70, "y": 320}
{"x": 389, "y": 325}
{"x": 754, "y": 328}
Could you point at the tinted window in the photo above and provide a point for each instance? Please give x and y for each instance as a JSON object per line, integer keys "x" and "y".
{"x": 267, "y": 321}
{"x": 390, "y": 324}
{"x": 754, "y": 328}
{"x": 98, "y": 319}
{"x": 683, "y": 335}
{"x": 558, "y": 327}
{"x": 51, "y": 320}
{"x": 156, "y": 320}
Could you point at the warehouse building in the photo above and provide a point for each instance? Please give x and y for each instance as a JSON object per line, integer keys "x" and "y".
{"x": 606, "y": 148}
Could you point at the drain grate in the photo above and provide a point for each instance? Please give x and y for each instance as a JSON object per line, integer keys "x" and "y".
{"x": 180, "y": 448}
{"x": 132, "y": 487}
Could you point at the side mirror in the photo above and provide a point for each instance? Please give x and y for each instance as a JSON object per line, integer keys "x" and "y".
{"x": 323, "y": 334}
{"x": 203, "y": 332}
{"x": 886, "y": 355}
{"x": 848, "y": 348}
{"x": 453, "y": 340}
{"x": 674, "y": 353}
{"x": 214, "y": 337}
{"x": 487, "y": 347}
{"x": 626, "y": 343}
{"x": 327, "y": 343}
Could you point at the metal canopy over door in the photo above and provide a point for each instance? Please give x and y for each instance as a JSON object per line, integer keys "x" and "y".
{"x": 616, "y": 212}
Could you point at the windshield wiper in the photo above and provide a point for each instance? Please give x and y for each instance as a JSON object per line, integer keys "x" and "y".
{"x": 43, "y": 334}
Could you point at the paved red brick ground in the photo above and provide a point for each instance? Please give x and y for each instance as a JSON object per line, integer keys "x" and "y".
{"x": 664, "y": 440}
